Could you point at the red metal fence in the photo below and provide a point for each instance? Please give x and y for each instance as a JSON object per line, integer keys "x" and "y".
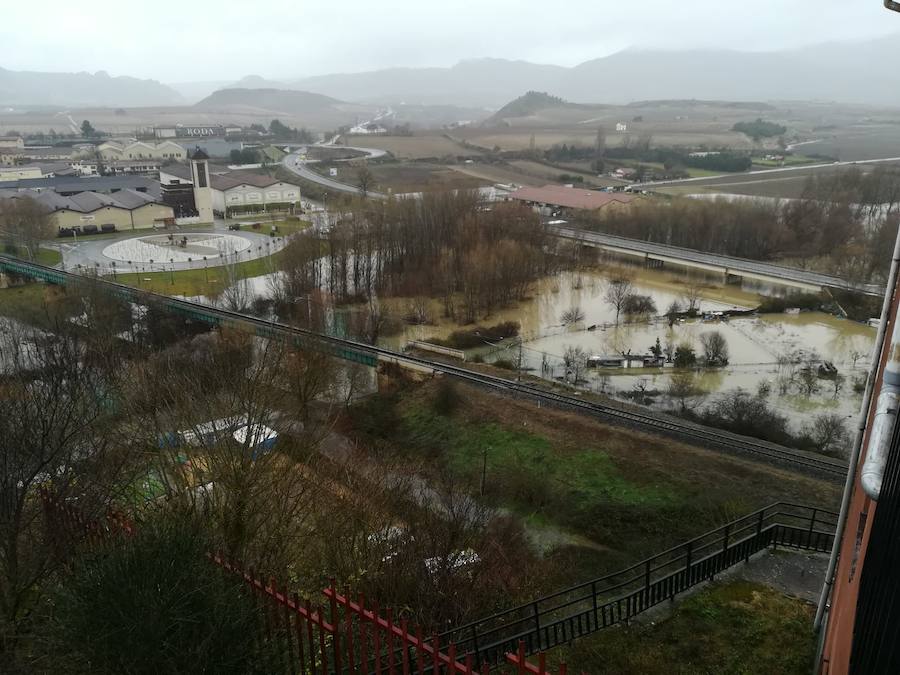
{"x": 352, "y": 636}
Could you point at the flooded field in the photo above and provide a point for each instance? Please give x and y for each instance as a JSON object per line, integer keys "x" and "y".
{"x": 763, "y": 349}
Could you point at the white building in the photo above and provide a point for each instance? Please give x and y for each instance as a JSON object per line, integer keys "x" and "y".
{"x": 118, "y": 151}
{"x": 234, "y": 192}
{"x": 621, "y": 126}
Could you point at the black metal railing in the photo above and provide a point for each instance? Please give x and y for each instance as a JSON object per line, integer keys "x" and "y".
{"x": 593, "y": 605}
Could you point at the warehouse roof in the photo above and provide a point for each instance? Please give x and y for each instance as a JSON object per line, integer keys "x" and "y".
{"x": 85, "y": 202}
{"x": 70, "y": 185}
{"x": 569, "y": 197}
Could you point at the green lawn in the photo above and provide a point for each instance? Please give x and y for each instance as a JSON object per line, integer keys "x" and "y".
{"x": 197, "y": 281}
{"x": 44, "y": 256}
{"x": 738, "y": 628}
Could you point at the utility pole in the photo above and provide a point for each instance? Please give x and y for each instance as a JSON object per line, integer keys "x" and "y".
{"x": 519, "y": 363}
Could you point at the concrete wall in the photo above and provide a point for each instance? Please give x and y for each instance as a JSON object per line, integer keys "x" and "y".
{"x": 143, "y": 217}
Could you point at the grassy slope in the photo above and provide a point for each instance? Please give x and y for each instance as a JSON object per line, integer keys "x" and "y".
{"x": 629, "y": 493}
{"x": 37, "y": 304}
{"x": 733, "y": 628}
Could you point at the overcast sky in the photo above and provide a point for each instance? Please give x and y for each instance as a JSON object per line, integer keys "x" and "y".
{"x": 194, "y": 40}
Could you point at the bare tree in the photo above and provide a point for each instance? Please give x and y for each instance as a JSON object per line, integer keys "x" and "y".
{"x": 365, "y": 179}
{"x": 618, "y": 290}
{"x": 575, "y": 359}
{"x": 807, "y": 379}
{"x": 25, "y": 222}
{"x": 829, "y": 434}
{"x": 715, "y": 348}
{"x": 693, "y": 292}
{"x": 683, "y": 388}
{"x": 572, "y": 315}
{"x": 57, "y": 433}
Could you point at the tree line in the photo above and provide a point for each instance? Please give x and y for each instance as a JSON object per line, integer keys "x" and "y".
{"x": 444, "y": 245}
{"x": 844, "y": 222}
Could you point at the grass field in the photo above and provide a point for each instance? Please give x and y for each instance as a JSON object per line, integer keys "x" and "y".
{"x": 421, "y": 177}
{"x": 198, "y": 281}
{"x": 424, "y": 146}
{"x": 737, "y": 628}
{"x": 624, "y": 494}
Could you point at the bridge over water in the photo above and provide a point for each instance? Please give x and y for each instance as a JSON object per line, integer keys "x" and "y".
{"x": 729, "y": 267}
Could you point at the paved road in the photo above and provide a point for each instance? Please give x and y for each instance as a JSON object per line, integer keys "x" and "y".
{"x": 763, "y": 174}
{"x": 775, "y": 272}
{"x": 295, "y": 164}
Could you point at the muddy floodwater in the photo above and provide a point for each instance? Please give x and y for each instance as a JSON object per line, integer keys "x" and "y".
{"x": 756, "y": 344}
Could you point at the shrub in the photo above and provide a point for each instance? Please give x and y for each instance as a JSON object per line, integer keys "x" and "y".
{"x": 476, "y": 337}
{"x": 154, "y": 604}
{"x": 446, "y": 398}
{"x": 506, "y": 364}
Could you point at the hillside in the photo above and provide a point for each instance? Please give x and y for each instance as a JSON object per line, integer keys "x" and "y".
{"x": 276, "y": 100}
{"x": 530, "y": 103}
{"x": 82, "y": 89}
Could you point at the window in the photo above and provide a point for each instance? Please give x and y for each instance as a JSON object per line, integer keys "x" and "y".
{"x": 201, "y": 174}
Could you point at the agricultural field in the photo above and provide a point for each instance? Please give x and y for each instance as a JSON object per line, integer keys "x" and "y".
{"x": 425, "y": 146}
{"x": 421, "y": 177}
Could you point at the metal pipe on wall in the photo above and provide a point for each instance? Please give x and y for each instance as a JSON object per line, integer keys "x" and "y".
{"x": 865, "y": 408}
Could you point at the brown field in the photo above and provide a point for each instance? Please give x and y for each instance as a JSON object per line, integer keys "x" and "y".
{"x": 422, "y": 177}
{"x": 413, "y": 147}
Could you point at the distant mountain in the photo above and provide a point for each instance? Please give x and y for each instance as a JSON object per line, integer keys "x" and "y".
{"x": 82, "y": 89}
{"x": 480, "y": 83}
{"x": 850, "y": 72}
{"x": 276, "y": 100}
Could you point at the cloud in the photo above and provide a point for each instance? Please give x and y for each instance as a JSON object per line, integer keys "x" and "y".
{"x": 172, "y": 40}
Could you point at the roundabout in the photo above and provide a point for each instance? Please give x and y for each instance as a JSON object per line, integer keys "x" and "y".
{"x": 179, "y": 248}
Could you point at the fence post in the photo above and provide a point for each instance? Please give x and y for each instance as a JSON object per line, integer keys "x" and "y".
{"x": 647, "y": 584}
{"x": 537, "y": 624}
{"x": 475, "y": 641}
{"x": 812, "y": 525}
{"x": 687, "y": 566}
{"x": 725, "y": 538}
{"x": 594, "y": 601}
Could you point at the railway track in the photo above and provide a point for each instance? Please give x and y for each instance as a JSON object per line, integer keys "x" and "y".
{"x": 660, "y": 424}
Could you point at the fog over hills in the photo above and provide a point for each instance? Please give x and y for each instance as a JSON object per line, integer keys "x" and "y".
{"x": 73, "y": 89}
{"x": 851, "y": 72}
{"x": 848, "y": 72}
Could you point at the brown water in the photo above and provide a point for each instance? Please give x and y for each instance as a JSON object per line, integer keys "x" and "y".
{"x": 755, "y": 342}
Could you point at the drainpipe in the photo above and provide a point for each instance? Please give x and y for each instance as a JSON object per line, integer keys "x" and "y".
{"x": 883, "y": 424}
{"x": 858, "y": 439}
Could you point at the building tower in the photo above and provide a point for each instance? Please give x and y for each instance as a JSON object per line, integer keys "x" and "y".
{"x": 202, "y": 190}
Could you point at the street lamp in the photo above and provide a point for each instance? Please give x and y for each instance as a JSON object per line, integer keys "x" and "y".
{"x": 206, "y": 269}
{"x": 172, "y": 270}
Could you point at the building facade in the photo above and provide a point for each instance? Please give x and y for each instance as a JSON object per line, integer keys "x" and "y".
{"x": 137, "y": 150}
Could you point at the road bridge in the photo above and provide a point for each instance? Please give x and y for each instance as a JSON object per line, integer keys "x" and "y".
{"x": 728, "y": 266}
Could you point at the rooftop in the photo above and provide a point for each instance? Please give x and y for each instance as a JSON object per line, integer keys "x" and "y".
{"x": 71, "y": 185}
{"x": 85, "y": 202}
{"x": 570, "y": 198}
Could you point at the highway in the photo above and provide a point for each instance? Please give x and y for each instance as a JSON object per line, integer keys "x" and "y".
{"x": 763, "y": 173}
{"x": 299, "y": 166}
{"x": 371, "y": 355}
{"x": 713, "y": 261}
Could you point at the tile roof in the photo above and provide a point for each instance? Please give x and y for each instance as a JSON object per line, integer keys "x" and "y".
{"x": 570, "y": 198}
